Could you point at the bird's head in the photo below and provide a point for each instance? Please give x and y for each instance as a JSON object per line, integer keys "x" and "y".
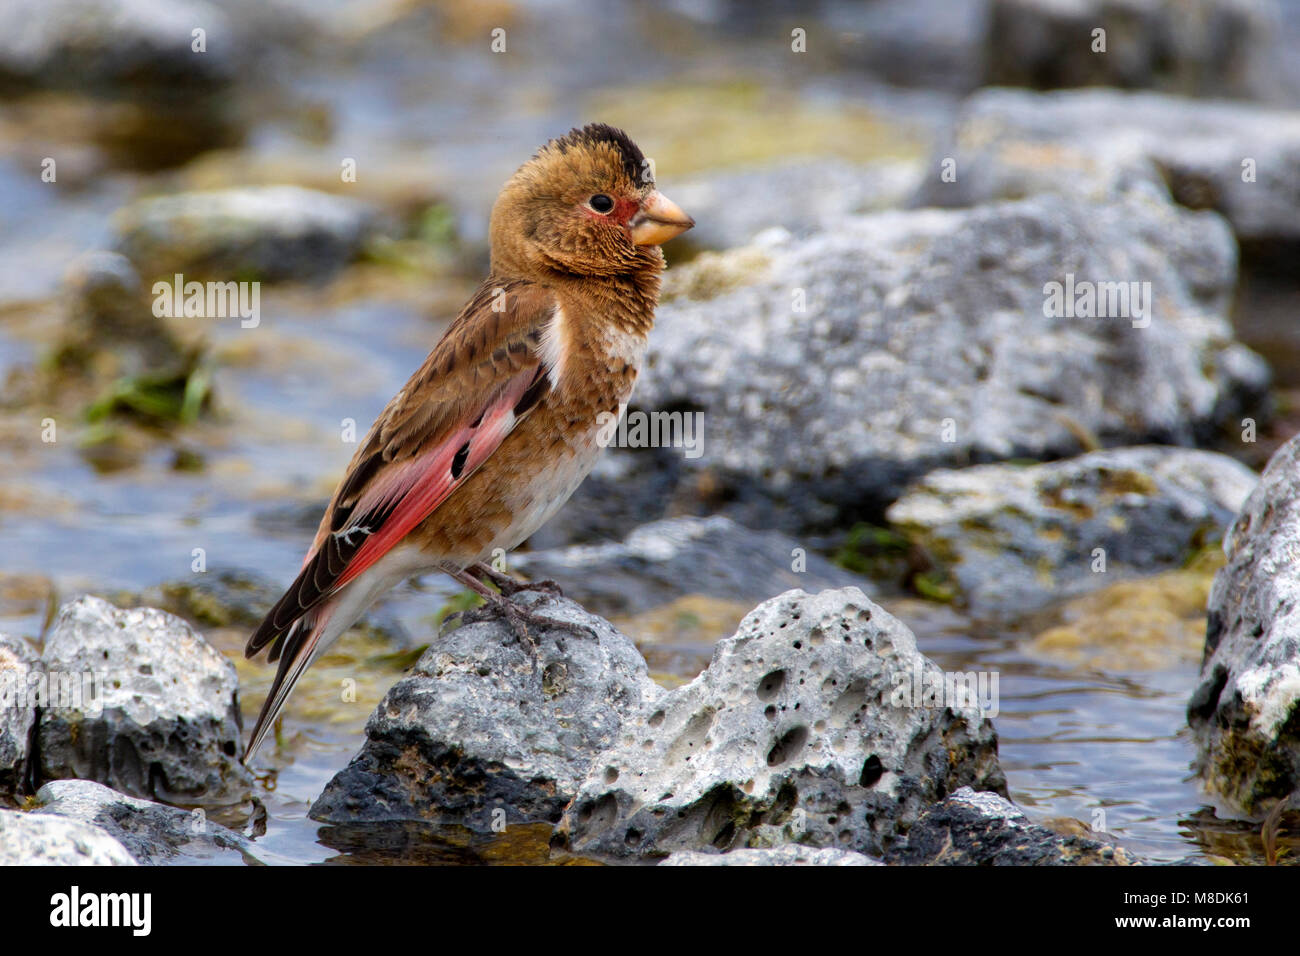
{"x": 586, "y": 205}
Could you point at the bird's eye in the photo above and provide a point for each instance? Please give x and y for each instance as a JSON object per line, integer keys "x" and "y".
{"x": 601, "y": 203}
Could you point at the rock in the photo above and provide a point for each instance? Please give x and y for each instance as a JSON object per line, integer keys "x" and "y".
{"x": 115, "y": 45}
{"x": 984, "y": 829}
{"x": 150, "y": 832}
{"x": 923, "y": 343}
{"x": 109, "y": 321}
{"x": 263, "y": 233}
{"x": 1152, "y": 623}
{"x": 140, "y": 702}
{"x": 18, "y": 666}
{"x": 805, "y": 727}
{"x": 791, "y": 854}
{"x": 1014, "y": 538}
{"x": 37, "y": 839}
{"x": 1201, "y": 47}
{"x": 1245, "y": 711}
{"x": 802, "y": 196}
{"x": 1008, "y": 144}
{"x": 474, "y": 729}
{"x": 934, "y": 44}
{"x": 663, "y": 560}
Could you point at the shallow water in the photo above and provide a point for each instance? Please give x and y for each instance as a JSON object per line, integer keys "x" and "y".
{"x": 1073, "y": 740}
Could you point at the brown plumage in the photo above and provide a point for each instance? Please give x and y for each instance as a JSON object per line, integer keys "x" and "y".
{"x": 498, "y": 427}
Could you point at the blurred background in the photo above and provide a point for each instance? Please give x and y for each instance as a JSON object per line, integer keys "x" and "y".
{"x": 345, "y": 154}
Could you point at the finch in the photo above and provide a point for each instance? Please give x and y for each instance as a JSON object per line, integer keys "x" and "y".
{"x": 499, "y": 426}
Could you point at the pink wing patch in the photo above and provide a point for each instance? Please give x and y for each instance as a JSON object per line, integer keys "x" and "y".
{"x": 419, "y": 486}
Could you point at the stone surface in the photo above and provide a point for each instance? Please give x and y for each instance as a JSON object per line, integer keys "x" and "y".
{"x": 791, "y": 854}
{"x": 1245, "y": 711}
{"x": 255, "y": 233}
{"x": 800, "y": 196}
{"x": 663, "y": 560}
{"x": 984, "y": 829}
{"x": 114, "y": 45}
{"x": 18, "y": 666}
{"x": 475, "y": 729}
{"x": 804, "y": 728}
{"x": 38, "y": 839}
{"x": 1008, "y": 144}
{"x": 924, "y": 343}
{"x": 141, "y": 703}
{"x": 1013, "y": 538}
{"x": 1198, "y": 47}
{"x": 150, "y": 832}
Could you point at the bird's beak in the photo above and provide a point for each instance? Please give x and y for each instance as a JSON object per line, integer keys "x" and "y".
{"x": 658, "y": 220}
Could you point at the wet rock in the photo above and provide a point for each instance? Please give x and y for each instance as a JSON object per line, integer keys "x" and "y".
{"x": 109, "y": 327}
{"x": 791, "y": 854}
{"x": 18, "y": 665}
{"x": 918, "y": 339}
{"x": 476, "y": 736}
{"x": 984, "y": 829}
{"x": 257, "y": 233}
{"x": 1245, "y": 711}
{"x": 801, "y": 196}
{"x": 1008, "y": 144}
{"x": 1201, "y": 47}
{"x": 140, "y": 702}
{"x": 1152, "y": 623}
{"x": 806, "y": 727}
{"x": 114, "y": 45}
{"x": 663, "y": 560}
{"x": 37, "y": 839}
{"x": 1013, "y": 538}
{"x": 150, "y": 832}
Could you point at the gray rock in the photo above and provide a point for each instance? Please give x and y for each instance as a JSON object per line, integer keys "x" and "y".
{"x": 18, "y": 667}
{"x": 935, "y": 44}
{"x": 150, "y": 832}
{"x": 475, "y": 729}
{"x": 984, "y": 829}
{"x": 261, "y": 232}
{"x": 1013, "y": 538}
{"x": 1196, "y": 47}
{"x": 1245, "y": 711}
{"x": 802, "y": 196}
{"x": 791, "y": 854}
{"x": 140, "y": 702}
{"x": 928, "y": 325}
{"x": 115, "y": 45}
{"x": 664, "y": 560}
{"x": 108, "y": 311}
{"x": 37, "y": 839}
{"x": 806, "y": 727}
{"x": 1008, "y": 144}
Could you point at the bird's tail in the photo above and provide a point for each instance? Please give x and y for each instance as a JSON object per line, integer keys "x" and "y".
{"x": 296, "y": 649}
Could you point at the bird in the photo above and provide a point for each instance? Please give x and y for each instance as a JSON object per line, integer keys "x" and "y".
{"x": 501, "y": 423}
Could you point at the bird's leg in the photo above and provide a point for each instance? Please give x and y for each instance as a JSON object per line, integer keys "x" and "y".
{"x": 519, "y": 618}
{"x": 510, "y": 585}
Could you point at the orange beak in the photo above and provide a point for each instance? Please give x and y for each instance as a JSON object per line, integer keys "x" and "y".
{"x": 658, "y": 220}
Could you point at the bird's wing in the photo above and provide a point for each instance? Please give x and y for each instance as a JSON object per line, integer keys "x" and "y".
{"x": 480, "y": 380}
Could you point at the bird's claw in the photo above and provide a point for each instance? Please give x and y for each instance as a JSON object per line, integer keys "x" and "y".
{"x": 520, "y": 618}
{"x": 509, "y": 585}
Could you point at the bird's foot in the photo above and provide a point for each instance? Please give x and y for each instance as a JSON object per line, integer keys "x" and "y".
{"x": 510, "y": 585}
{"x": 521, "y": 619}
